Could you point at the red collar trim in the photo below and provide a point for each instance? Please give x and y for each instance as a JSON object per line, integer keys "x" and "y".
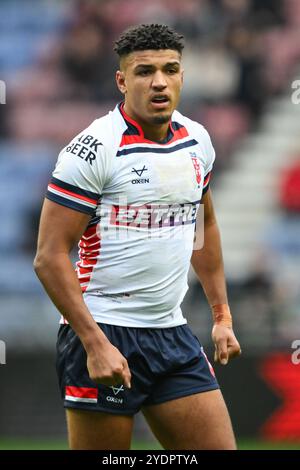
{"x": 140, "y": 130}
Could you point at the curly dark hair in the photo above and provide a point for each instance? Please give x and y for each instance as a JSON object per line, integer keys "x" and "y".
{"x": 148, "y": 36}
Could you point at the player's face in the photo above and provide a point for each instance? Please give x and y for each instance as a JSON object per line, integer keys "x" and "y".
{"x": 151, "y": 82}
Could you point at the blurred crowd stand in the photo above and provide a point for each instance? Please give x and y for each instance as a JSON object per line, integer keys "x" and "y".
{"x": 57, "y": 60}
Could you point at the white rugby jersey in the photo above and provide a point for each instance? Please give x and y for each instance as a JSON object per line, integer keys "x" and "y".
{"x": 143, "y": 197}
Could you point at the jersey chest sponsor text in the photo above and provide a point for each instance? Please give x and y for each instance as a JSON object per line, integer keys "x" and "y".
{"x": 154, "y": 215}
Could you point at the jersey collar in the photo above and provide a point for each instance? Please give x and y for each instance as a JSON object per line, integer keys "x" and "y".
{"x": 133, "y": 128}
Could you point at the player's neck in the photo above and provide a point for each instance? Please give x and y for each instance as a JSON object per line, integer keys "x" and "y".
{"x": 155, "y": 132}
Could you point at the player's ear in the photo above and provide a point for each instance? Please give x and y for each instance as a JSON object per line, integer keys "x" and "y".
{"x": 121, "y": 82}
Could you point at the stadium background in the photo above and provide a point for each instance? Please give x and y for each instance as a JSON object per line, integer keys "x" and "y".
{"x": 241, "y": 58}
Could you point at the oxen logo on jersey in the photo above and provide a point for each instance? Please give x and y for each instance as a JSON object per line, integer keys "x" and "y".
{"x": 139, "y": 173}
{"x": 197, "y": 167}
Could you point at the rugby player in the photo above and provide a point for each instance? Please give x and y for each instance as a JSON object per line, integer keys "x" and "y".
{"x": 128, "y": 188}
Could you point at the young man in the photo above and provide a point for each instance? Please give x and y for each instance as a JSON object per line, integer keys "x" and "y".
{"x": 128, "y": 187}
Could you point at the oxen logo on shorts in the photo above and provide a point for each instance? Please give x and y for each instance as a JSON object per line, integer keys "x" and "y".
{"x": 116, "y": 391}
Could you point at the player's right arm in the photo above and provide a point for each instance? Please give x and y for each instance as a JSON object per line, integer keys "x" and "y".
{"x": 60, "y": 229}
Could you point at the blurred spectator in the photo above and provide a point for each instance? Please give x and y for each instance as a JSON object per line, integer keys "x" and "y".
{"x": 3, "y": 129}
{"x": 245, "y": 45}
{"x": 238, "y": 54}
{"x": 235, "y": 58}
{"x": 87, "y": 65}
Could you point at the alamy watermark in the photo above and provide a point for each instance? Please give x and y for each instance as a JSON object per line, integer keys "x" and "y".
{"x": 2, "y": 92}
{"x": 123, "y": 221}
{"x": 296, "y": 94}
{"x": 2, "y": 352}
{"x": 296, "y": 354}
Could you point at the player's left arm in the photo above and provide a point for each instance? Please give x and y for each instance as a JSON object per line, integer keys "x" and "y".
{"x": 209, "y": 267}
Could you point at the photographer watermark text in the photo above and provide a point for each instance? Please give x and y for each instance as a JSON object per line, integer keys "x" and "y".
{"x": 2, "y": 352}
{"x": 2, "y": 92}
{"x": 296, "y": 353}
{"x": 296, "y": 94}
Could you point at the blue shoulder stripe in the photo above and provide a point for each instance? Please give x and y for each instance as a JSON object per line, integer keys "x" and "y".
{"x": 68, "y": 203}
{"x": 74, "y": 189}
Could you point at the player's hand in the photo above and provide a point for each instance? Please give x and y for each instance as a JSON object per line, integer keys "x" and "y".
{"x": 226, "y": 344}
{"x": 107, "y": 366}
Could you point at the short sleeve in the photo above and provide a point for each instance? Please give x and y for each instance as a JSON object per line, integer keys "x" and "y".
{"x": 210, "y": 156}
{"x": 80, "y": 174}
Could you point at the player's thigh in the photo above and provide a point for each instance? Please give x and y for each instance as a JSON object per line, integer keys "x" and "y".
{"x": 89, "y": 430}
{"x": 199, "y": 421}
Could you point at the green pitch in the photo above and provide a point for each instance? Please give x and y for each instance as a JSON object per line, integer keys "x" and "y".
{"x": 36, "y": 444}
